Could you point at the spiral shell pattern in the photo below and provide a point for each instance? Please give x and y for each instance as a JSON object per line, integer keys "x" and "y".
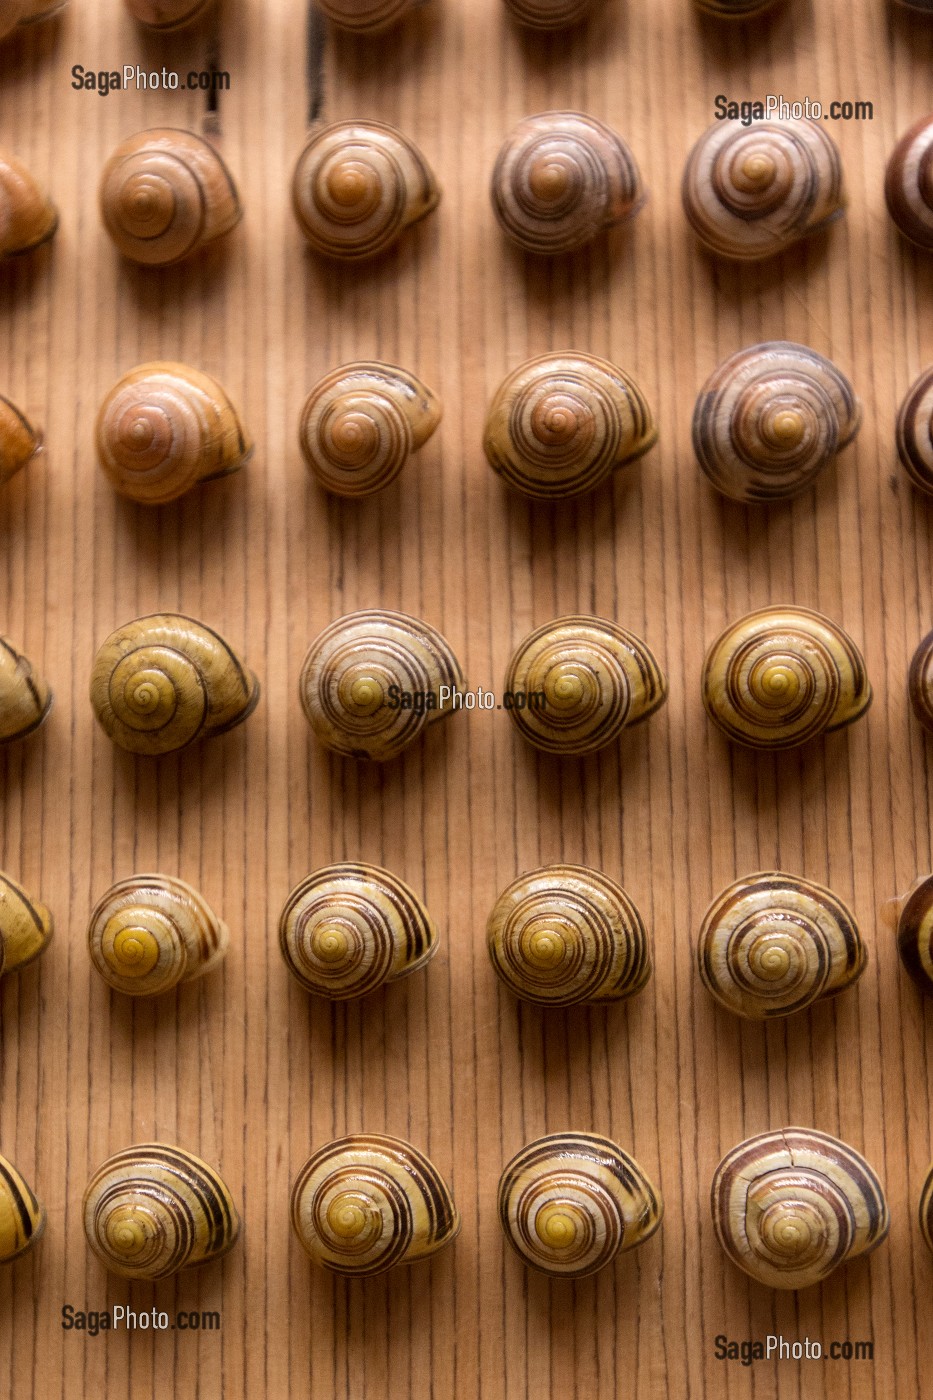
{"x": 908, "y": 183}
{"x": 915, "y": 432}
{"x": 28, "y": 217}
{"x": 751, "y": 192}
{"x": 560, "y": 425}
{"x": 548, "y": 14}
{"x": 365, "y": 1203}
{"x": 20, "y": 441}
{"x": 148, "y": 933}
{"x": 25, "y": 699}
{"x": 366, "y": 16}
{"x": 25, "y": 926}
{"x": 167, "y": 16}
{"x": 920, "y": 682}
{"x": 915, "y": 934}
{"x": 790, "y": 1206}
{"x": 782, "y": 676}
{"x": 22, "y": 1219}
{"x": 152, "y": 1210}
{"x": 735, "y": 9}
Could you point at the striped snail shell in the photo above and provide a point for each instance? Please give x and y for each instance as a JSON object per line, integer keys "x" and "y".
{"x": 735, "y": 9}
{"x": 163, "y": 681}
{"x": 152, "y": 1210}
{"x": 560, "y": 179}
{"x": 908, "y": 183}
{"x": 148, "y": 933}
{"x": 548, "y": 14}
{"x": 926, "y": 1204}
{"x": 569, "y": 1203}
{"x": 362, "y": 422}
{"x": 349, "y": 928}
{"x": 164, "y": 194}
{"x": 771, "y": 944}
{"x": 372, "y": 681}
{"x": 920, "y": 682}
{"x": 163, "y": 428}
{"x": 358, "y": 186}
{"x": 365, "y": 1203}
{"x": 915, "y": 432}
{"x": 781, "y": 676}
{"x": 577, "y": 682}
{"x": 753, "y": 191}
{"x": 25, "y": 699}
{"x": 565, "y": 934}
{"x": 13, "y": 13}
{"x": 22, "y": 1219}
{"x": 165, "y": 16}
{"x": 366, "y": 16}
{"x": 770, "y": 419}
{"x": 915, "y": 933}
{"x": 20, "y": 441}
{"x": 25, "y": 926}
{"x": 790, "y": 1206}
{"x": 27, "y": 215}
{"x": 560, "y": 425}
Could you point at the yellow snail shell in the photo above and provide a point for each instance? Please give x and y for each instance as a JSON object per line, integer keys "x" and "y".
{"x": 781, "y": 676}
{"x": 735, "y": 9}
{"x": 560, "y": 179}
{"x": 926, "y": 1206}
{"x": 915, "y": 933}
{"x": 569, "y": 1203}
{"x": 365, "y": 1203}
{"x": 770, "y": 419}
{"x": 560, "y": 425}
{"x": 28, "y": 217}
{"x": 165, "y": 16}
{"x": 790, "y": 1206}
{"x": 361, "y": 423}
{"x": 164, "y": 194}
{"x": 148, "y": 933}
{"x": 565, "y": 934}
{"x": 920, "y": 682}
{"x": 161, "y": 682}
{"x": 358, "y": 186}
{"x": 908, "y": 183}
{"x": 915, "y": 432}
{"x": 20, "y": 441}
{"x": 753, "y": 191}
{"x": 581, "y": 680}
{"x": 25, "y": 926}
{"x": 366, "y": 16}
{"x": 372, "y": 681}
{"x": 163, "y": 428}
{"x": 25, "y": 699}
{"x": 22, "y": 1219}
{"x": 152, "y": 1210}
{"x": 548, "y": 14}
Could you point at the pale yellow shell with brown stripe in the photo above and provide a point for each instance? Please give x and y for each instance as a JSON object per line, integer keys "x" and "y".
{"x": 28, "y": 218}
{"x": 25, "y": 926}
{"x": 22, "y": 1219}
{"x": 150, "y": 933}
{"x": 915, "y": 933}
{"x": 20, "y": 440}
{"x": 25, "y": 698}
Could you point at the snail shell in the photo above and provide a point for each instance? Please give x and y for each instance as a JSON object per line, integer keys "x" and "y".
{"x": 365, "y": 1203}
{"x": 781, "y": 676}
{"x": 150, "y": 932}
{"x": 753, "y": 191}
{"x": 349, "y": 928}
{"x": 366, "y": 16}
{"x": 164, "y": 194}
{"x": 359, "y": 674}
{"x": 908, "y": 183}
{"x": 790, "y": 1206}
{"x": 582, "y": 681}
{"x": 548, "y": 14}
{"x": 771, "y": 944}
{"x": 19, "y": 440}
{"x": 27, "y": 215}
{"x": 570, "y": 1203}
{"x": 163, "y": 681}
{"x": 361, "y": 423}
{"x": 926, "y": 1209}
{"x": 22, "y": 1219}
{"x": 358, "y": 186}
{"x": 770, "y": 419}
{"x": 561, "y": 179}
{"x": 165, "y": 427}
{"x": 735, "y": 9}
{"x": 13, "y": 13}
{"x": 560, "y": 425}
{"x": 25, "y": 926}
{"x": 920, "y": 682}
{"x": 915, "y": 933}
{"x": 165, "y": 16}
{"x": 565, "y": 934}
{"x": 915, "y": 432}
{"x": 25, "y": 699}
{"x": 152, "y": 1210}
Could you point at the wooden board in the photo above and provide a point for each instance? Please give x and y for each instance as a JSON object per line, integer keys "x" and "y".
{"x": 244, "y": 1068}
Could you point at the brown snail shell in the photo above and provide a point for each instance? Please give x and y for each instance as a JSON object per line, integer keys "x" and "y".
{"x": 161, "y": 682}
{"x": 22, "y": 1219}
{"x": 28, "y": 217}
{"x": 149, "y": 933}
{"x": 781, "y": 676}
{"x": 564, "y": 935}
{"x": 358, "y": 186}
{"x": 790, "y": 1206}
{"x": 920, "y": 682}
{"x": 350, "y": 928}
{"x": 570, "y": 1203}
{"x": 366, "y": 16}
{"x": 560, "y": 425}
{"x": 360, "y": 670}
{"x": 915, "y": 933}
{"x": 164, "y": 428}
{"x": 25, "y": 926}
{"x": 770, "y": 419}
{"x": 165, "y": 194}
{"x": 548, "y": 14}
{"x": 20, "y": 441}
{"x": 915, "y": 432}
{"x": 365, "y": 1203}
{"x": 25, "y": 699}
{"x": 14, "y": 13}
{"x": 582, "y": 681}
{"x": 908, "y": 183}
{"x": 362, "y": 422}
{"x": 560, "y": 179}
{"x": 926, "y": 1206}
{"x": 753, "y": 191}
{"x": 165, "y": 16}
{"x": 923, "y": 5}
{"x": 735, "y": 9}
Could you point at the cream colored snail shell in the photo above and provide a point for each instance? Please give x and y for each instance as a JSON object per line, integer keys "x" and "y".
{"x": 14, "y": 13}
{"x": 22, "y": 1219}
{"x": 361, "y": 423}
{"x": 366, "y": 16}
{"x": 373, "y": 681}
{"x": 548, "y": 14}
{"x": 908, "y": 183}
{"x": 790, "y": 1206}
{"x": 25, "y": 699}
{"x": 782, "y": 676}
{"x": 915, "y": 933}
{"x": 770, "y": 419}
{"x": 165, "y": 194}
{"x": 161, "y": 682}
{"x": 570, "y": 1203}
{"x": 365, "y": 1203}
{"x": 20, "y": 441}
{"x": 735, "y": 9}
{"x": 164, "y": 428}
{"x": 577, "y": 682}
{"x": 28, "y": 217}
{"x": 564, "y": 935}
{"x": 166, "y": 16}
{"x": 25, "y": 926}
{"x": 560, "y": 179}
{"x": 357, "y": 187}
{"x": 152, "y": 1210}
{"x": 149, "y": 933}
{"x": 560, "y": 425}
{"x": 920, "y": 682}
{"x": 915, "y": 432}
{"x": 753, "y": 191}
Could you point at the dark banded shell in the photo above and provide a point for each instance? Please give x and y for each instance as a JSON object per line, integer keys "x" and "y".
{"x": 22, "y": 1219}
{"x": 149, "y": 933}
{"x": 915, "y": 934}
{"x": 25, "y": 698}
{"x": 25, "y": 926}
{"x": 908, "y": 184}
{"x": 548, "y": 14}
{"x": 167, "y": 16}
{"x": 366, "y": 16}
{"x": 915, "y": 432}
{"x": 735, "y": 9}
